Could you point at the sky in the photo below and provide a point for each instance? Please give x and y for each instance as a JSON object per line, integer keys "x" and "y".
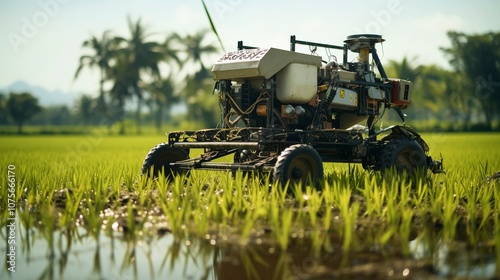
{"x": 41, "y": 40}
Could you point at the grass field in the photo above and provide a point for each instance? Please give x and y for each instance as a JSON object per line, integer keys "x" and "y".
{"x": 64, "y": 183}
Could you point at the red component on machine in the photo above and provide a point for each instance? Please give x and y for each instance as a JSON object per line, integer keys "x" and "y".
{"x": 401, "y": 93}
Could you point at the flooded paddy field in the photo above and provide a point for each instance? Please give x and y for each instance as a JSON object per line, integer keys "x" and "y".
{"x": 81, "y": 210}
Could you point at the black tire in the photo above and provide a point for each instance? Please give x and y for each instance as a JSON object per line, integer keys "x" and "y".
{"x": 404, "y": 155}
{"x": 298, "y": 164}
{"x": 160, "y": 157}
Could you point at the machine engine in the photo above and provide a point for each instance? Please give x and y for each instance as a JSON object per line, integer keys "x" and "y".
{"x": 309, "y": 93}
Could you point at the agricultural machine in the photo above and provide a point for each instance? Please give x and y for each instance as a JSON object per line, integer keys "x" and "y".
{"x": 286, "y": 113}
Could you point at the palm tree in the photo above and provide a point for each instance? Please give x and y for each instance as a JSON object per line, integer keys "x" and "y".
{"x": 195, "y": 50}
{"x": 142, "y": 58}
{"x": 170, "y": 53}
{"x": 162, "y": 91}
{"x": 85, "y": 108}
{"x": 163, "y": 97}
{"x": 102, "y": 55}
{"x": 124, "y": 88}
{"x": 404, "y": 69}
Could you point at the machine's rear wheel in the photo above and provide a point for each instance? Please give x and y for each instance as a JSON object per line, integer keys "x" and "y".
{"x": 405, "y": 155}
{"x": 298, "y": 164}
{"x": 160, "y": 157}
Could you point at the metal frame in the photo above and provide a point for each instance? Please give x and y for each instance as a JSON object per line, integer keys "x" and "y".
{"x": 294, "y": 41}
{"x": 334, "y": 145}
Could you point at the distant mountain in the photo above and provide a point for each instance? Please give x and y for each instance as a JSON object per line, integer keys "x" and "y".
{"x": 44, "y": 96}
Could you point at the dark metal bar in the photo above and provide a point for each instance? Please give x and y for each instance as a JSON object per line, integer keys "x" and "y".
{"x": 270, "y": 104}
{"x": 345, "y": 56}
{"x": 340, "y": 160}
{"x": 371, "y": 127}
{"x": 294, "y": 41}
{"x": 216, "y": 145}
{"x": 222, "y": 166}
{"x": 379, "y": 64}
{"x": 368, "y": 83}
{"x": 329, "y": 145}
{"x": 243, "y": 47}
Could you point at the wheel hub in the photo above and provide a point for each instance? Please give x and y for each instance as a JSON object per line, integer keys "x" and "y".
{"x": 300, "y": 167}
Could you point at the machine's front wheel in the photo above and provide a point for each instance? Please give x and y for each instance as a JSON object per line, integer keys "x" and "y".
{"x": 405, "y": 155}
{"x": 298, "y": 164}
{"x": 160, "y": 157}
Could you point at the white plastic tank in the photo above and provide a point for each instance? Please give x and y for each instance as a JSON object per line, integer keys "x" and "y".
{"x": 296, "y": 83}
{"x": 296, "y": 73}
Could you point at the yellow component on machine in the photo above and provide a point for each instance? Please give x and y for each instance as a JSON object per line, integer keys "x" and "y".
{"x": 364, "y": 55}
{"x": 322, "y": 88}
{"x": 345, "y": 98}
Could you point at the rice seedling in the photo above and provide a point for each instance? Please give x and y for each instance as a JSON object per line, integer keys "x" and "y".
{"x": 405, "y": 229}
{"x": 375, "y": 195}
{"x": 48, "y": 221}
{"x": 349, "y": 215}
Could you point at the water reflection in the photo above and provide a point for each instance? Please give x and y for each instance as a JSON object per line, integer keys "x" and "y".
{"x": 78, "y": 255}
{"x": 458, "y": 257}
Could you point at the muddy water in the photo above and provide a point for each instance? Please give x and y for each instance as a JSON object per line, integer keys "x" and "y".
{"x": 79, "y": 256}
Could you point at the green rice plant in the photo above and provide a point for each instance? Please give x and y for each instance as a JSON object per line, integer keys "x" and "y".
{"x": 448, "y": 215}
{"x": 486, "y": 194}
{"x": 131, "y": 226}
{"x": 198, "y": 208}
{"x": 167, "y": 203}
{"x": 280, "y": 216}
{"x": 496, "y": 203}
{"x": 72, "y": 206}
{"x": 26, "y": 220}
{"x": 405, "y": 230}
{"x": 237, "y": 196}
{"x": 349, "y": 215}
{"x": 497, "y": 251}
{"x": 436, "y": 196}
{"x": 327, "y": 193}
{"x": 92, "y": 218}
{"x": 314, "y": 203}
{"x": 281, "y": 222}
{"x": 300, "y": 202}
{"x": 255, "y": 209}
{"x": 230, "y": 199}
{"x": 392, "y": 211}
{"x": 419, "y": 195}
{"x": 327, "y": 218}
{"x": 496, "y": 232}
{"x": 48, "y": 218}
{"x": 386, "y": 235}
{"x": 374, "y": 191}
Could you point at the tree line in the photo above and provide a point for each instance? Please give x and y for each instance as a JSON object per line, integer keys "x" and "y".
{"x": 132, "y": 71}
{"x": 132, "y": 68}
{"x": 465, "y": 98}
{"x": 136, "y": 69}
